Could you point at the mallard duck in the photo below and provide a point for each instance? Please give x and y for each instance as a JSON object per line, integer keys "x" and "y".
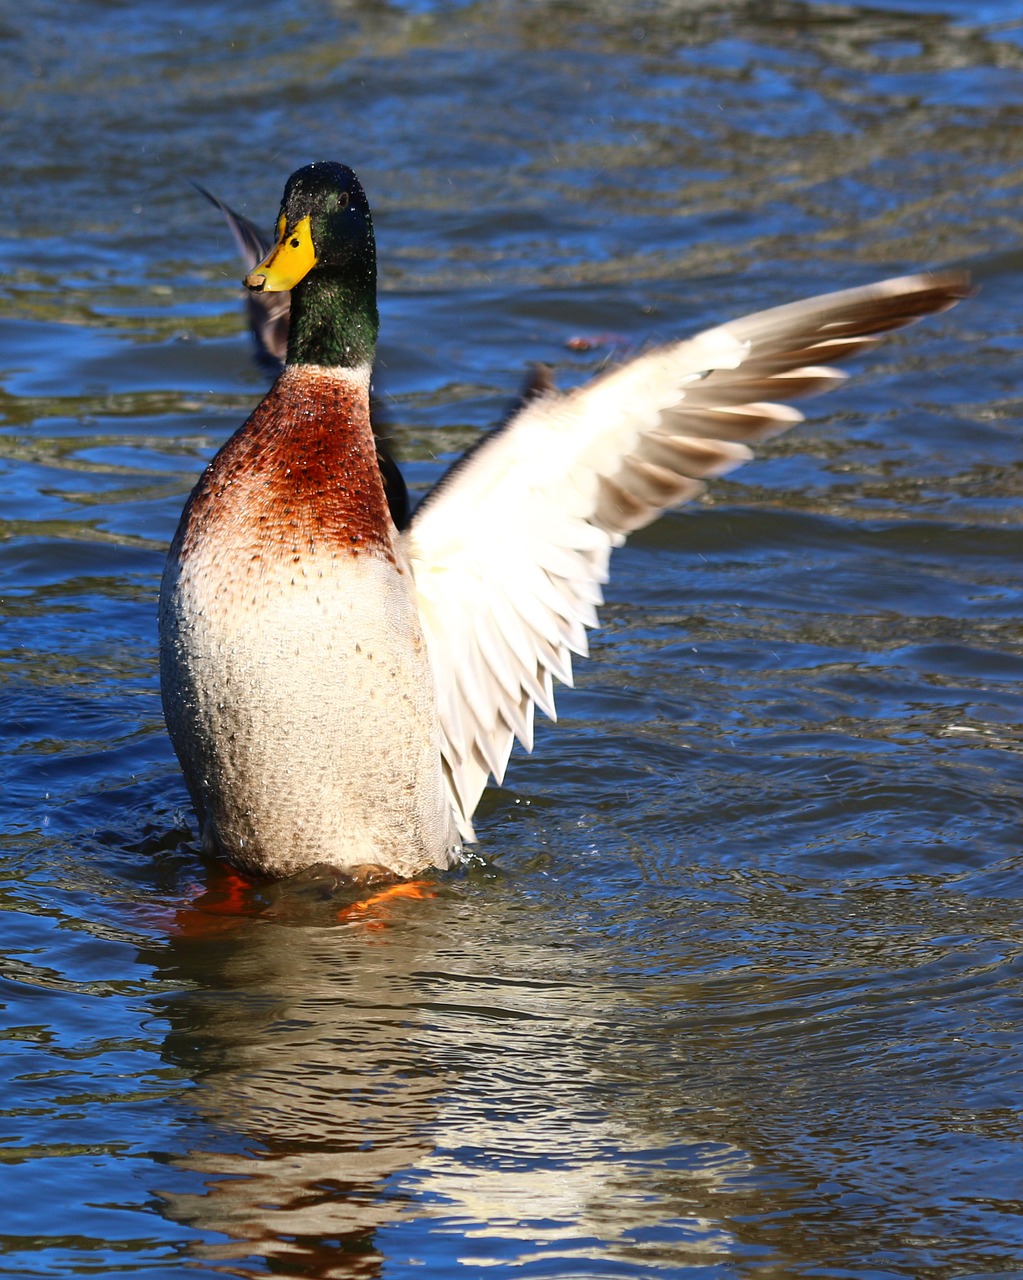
{"x": 338, "y": 691}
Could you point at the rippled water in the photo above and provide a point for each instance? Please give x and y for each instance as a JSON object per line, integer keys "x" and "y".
{"x": 738, "y": 991}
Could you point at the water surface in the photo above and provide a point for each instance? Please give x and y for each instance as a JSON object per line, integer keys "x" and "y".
{"x": 735, "y": 988}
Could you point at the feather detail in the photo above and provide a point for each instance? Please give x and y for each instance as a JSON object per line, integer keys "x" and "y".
{"x": 510, "y": 550}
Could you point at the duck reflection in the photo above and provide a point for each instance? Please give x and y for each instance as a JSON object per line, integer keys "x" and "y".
{"x": 457, "y": 1059}
{"x": 295, "y": 1019}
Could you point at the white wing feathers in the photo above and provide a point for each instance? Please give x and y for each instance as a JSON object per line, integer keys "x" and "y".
{"x": 510, "y": 550}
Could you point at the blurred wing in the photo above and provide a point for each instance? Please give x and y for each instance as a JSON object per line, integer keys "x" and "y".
{"x": 510, "y": 550}
{"x": 250, "y": 242}
{"x": 269, "y": 313}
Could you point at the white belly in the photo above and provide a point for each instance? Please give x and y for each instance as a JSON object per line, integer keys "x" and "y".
{"x": 301, "y": 704}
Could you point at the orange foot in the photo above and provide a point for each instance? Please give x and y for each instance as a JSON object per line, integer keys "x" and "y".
{"x": 359, "y": 911}
{"x": 227, "y": 897}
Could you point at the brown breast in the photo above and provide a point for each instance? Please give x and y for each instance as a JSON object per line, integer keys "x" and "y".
{"x": 299, "y": 477}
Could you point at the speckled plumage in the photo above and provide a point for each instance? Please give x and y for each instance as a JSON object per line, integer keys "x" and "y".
{"x": 295, "y": 680}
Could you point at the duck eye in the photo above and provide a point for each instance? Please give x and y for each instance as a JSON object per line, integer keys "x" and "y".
{"x": 343, "y": 200}
{"x": 295, "y": 243}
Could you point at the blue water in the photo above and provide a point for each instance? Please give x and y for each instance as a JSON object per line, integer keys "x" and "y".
{"x": 734, "y": 989}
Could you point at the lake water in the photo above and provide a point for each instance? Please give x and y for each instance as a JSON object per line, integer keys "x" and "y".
{"x": 735, "y": 989}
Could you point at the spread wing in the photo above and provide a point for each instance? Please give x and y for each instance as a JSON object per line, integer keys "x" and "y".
{"x": 509, "y": 552}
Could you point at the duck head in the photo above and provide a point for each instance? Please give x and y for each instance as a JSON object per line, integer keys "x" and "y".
{"x": 326, "y": 256}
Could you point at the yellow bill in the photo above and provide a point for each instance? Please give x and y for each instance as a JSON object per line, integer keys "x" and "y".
{"x": 289, "y": 261}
